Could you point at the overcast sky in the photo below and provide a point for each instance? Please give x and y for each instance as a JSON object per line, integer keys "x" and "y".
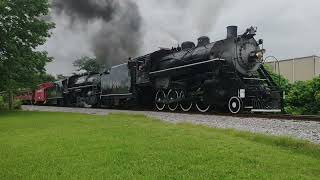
{"x": 290, "y": 28}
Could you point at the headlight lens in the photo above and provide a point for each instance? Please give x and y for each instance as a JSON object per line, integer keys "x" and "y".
{"x": 259, "y": 55}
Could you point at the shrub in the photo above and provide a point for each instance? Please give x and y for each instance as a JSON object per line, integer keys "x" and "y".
{"x": 304, "y": 98}
{"x": 17, "y": 105}
{"x": 3, "y": 104}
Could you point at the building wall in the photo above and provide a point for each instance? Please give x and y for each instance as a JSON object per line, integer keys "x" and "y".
{"x": 317, "y": 68}
{"x": 298, "y": 69}
{"x": 304, "y": 70}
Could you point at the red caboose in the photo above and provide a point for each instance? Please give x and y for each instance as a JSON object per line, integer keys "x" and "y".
{"x": 26, "y": 97}
{"x": 41, "y": 94}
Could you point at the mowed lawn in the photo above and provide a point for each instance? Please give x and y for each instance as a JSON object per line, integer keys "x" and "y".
{"x": 37, "y": 145}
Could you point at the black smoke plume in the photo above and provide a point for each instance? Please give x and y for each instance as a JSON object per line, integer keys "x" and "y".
{"x": 118, "y": 34}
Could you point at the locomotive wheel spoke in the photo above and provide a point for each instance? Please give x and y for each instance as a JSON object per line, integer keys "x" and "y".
{"x": 186, "y": 106}
{"x": 202, "y": 106}
{"x": 159, "y": 100}
{"x": 173, "y": 95}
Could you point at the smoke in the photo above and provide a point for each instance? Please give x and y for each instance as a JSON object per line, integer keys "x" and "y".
{"x": 173, "y": 21}
{"x": 206, "y": 14}
{"x": 112, "y": 28}
{"x": 166, "y": 23}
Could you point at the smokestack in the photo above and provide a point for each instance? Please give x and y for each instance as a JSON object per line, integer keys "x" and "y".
{"x": 232, "y": 32}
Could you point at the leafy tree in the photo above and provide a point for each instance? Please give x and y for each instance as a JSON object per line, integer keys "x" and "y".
{"x": 22, "y": 30}
{"x": 87, "y": 64}
{"x": 44, "y": 77}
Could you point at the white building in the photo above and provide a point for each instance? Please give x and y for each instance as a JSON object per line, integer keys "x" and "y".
{"x": 298, "y": 69}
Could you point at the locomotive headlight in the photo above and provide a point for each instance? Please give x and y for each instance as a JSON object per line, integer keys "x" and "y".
{"x": 260, "y": 54}
{"x": 256, "y": 56}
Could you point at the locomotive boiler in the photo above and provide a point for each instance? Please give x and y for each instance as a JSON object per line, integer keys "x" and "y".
{"x": 224, "y": 74}
{"x": 243, "y": 52}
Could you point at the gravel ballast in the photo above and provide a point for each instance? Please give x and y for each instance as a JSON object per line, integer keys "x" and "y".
{"x": 304, "y": 130}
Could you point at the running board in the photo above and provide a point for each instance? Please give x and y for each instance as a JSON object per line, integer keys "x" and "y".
{"x": 117, "y": 95}
{"x": 267, "y": 110}
{"x": 185, "y": 66}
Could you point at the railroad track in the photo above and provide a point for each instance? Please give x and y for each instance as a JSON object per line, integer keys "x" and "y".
{"x": 251, "y": 115}
{"x": 281, "y": 116}
{"x": 246, "y": 115}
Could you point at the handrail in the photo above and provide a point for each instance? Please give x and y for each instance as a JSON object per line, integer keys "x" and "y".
{"x": 278, "y": 62}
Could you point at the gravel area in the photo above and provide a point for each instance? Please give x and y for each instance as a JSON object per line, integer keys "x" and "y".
{"x": 305, "y": 130}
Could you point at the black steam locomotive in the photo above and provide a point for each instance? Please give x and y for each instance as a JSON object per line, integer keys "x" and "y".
{"x": 210, "y": 75}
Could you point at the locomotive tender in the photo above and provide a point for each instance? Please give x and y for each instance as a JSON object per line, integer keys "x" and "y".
{"x": 210, "y": 75}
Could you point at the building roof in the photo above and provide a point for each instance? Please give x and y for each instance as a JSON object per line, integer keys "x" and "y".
{"x": 296, "y": 59}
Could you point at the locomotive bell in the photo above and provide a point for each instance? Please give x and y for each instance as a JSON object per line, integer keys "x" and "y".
{"x": 232, "y": 32}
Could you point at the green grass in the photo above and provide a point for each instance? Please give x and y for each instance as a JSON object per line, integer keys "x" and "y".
{"x": 36, "y": 145}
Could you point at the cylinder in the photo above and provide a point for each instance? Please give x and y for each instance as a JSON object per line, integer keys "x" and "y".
{"x": 232, "y": 32}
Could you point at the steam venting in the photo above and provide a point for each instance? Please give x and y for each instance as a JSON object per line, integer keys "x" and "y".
{"x": 172, "y": 22}
{"x": 117, "y": 26}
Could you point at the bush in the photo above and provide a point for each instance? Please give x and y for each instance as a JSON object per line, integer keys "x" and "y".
{"x": 17, "y": 105}
{"x": 3, "y": 105}
{"x": 304, "y": 98}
